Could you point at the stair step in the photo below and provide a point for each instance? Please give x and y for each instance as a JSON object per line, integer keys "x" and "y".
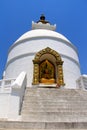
{"x": 11, "y": 125}
{"x": 54, "y": 118}
{"x": 59, "y": 113}
{"x": 55, "y": 105}
{"x": 54, "y": 110}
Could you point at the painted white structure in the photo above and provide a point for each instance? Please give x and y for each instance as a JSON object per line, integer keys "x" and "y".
{"x": 19, "y": 67}
{"x": 11, "y": 97}
{"x": 23, "y": 51}
{"x": 82, "y": 82}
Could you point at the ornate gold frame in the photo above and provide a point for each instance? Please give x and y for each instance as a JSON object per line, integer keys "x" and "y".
{"x": 59, "y": 63}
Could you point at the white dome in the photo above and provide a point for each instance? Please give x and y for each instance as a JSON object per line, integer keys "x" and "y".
{"x": 41, "y": 33}
{"x": 23, "y": 51}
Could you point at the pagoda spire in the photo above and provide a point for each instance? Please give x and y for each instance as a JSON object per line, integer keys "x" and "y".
{"x": 42, "y": 23}
{"x": 42, "y": 19}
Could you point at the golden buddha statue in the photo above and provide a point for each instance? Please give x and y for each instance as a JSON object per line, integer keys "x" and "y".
{"x": 47, "y": 72}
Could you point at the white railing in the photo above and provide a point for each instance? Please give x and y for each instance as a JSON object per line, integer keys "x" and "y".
{"x": 6, "y": 84}
{"x": 82, "y": 82}
{"x": 17, "y": 94}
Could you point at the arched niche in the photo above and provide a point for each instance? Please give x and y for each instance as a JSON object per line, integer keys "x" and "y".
{"x": 53, "y": 60}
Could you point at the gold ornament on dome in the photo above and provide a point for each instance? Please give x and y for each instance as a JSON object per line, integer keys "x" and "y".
{"x": 45, "y": 71}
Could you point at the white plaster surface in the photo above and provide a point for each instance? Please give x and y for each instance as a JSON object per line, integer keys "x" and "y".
{"x": 81, "y": 82}
{"x": 35, "y": 45}
{"x": 40, "y": 25}
{"x": 4, "y": 105}
{"x": 41, "y": 32}
{"x": 24, "y": 49}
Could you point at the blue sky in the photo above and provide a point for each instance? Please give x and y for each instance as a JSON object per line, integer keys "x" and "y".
{"x": 69, "y": 15}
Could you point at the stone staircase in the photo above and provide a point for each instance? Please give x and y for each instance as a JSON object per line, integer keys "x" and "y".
{"x": 51, "y": 108}
{"x": 54, "y": 105}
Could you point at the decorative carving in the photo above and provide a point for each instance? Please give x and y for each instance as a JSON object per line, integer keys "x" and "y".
{"x": 50, "y": 51}
{"x": 37, "y": 75}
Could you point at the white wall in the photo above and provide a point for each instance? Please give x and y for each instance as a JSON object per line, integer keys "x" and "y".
{"x": 35, "y": 45}
{"x": 4, "y": 105}
{"x": 21, "y": 55}
{"x": 71, "y": 73}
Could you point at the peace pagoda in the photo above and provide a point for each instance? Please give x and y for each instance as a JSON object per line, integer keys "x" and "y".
{"x": 42, "y": 86}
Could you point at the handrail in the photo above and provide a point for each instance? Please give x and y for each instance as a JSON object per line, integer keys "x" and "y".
{"x": 18, "y": 88}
